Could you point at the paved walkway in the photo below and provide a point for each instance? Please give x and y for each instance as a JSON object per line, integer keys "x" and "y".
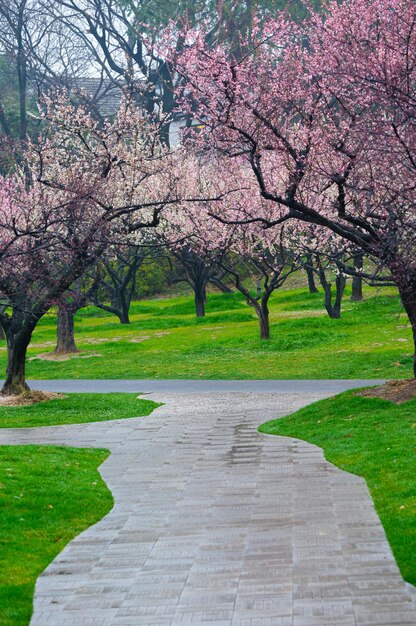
{"x": 217, "y": 525}
{"x": 329, "y": 387}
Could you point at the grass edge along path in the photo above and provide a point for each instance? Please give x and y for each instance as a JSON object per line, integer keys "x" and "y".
{"x": 374, "y": 439}
{"x": 48, "y": 495}
{"x": 76, "y": 408}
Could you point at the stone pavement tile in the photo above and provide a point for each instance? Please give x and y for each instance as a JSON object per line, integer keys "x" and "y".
{"x": 371, "y": 598}
{"x": 319, "y": 620}
{"x": 207, "y": 598}
{"x": 262, "y": 621}
{"x": 132, "y": 620}
{"x": 264, "y": 605}
{"x": 318, "y": 591}
{"x": 363, "y": 585}
{"x": 196, "y": 583}
{"x": 264, "y": 587}
{"x": 144, "y": 613}
{"x": 379, "y": 612}
{"x": 99, "y": 602}
{"x": 148, "y": 601}
{"x": 323, "y": 607}
{"x": 164, "y": 579}
{"x": 189, "y": 615}
{"x": 71, "y": 618}
{"x": 48, "y": 602}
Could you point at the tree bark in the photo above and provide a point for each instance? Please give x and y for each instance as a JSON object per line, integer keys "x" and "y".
{"x": 200, "y": 295}
{"x": 262, "y": 311}
{"x": 65, "y": 332}
{"x": 123, "y": 316}
{"x": 340, "y": 283}
{"x": 18, "y": 340}
{"x": 408, "y": 297}
{"x": 220, "y": 285}
{"x": 124, "y": 309}
{"x": 310, "y": 274}
{"x": 357, "y": 281}
{"x": 198, "y": 277}
{"x": 333, "y": 310}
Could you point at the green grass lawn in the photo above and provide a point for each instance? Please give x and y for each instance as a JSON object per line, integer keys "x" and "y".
{"x": 375, "y": 439}
{"x": 165, "y": 340}
{"x": 48, "y": 495}
{"x": 76, "y": 408}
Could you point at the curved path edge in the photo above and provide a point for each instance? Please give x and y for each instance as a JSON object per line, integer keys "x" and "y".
{"x": 327, "y": 387}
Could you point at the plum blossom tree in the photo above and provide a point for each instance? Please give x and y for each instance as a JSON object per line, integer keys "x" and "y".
{"x": 225, "y": 236}
{"x": 193, "y": 268}
{"x": 190, "y": 263}
{"x": 324, "y": 114}
{"x": 269, "y": 261}
{"x": 118, "y": 279}
{"x": 328, "y": 257}
{"x": 79, "y": 295}
{"x": 77, "y": 189}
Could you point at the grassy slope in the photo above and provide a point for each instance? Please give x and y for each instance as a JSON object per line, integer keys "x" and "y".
{"x": 48, "y": 495}
{"x": 166, "y": 341}
{"x": 76, "y": 408}
{"x": 376, "y": 440}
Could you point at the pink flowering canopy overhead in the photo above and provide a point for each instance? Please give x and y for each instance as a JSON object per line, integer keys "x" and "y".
{"x": 323, "y": 114}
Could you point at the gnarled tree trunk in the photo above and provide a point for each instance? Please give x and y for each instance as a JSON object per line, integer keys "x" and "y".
{"x": 310, "y": 274}
{"x": 357, "y": 281}
{"x": 15, "y": 382}
{"x": 264, "y": 323}
{"x": 220, "y": 285}
{"x": 407, "y": 290}
{"x": 200, "y": 295}
{"x": 18, "y": 335}
{"x": 333, "y": 309}
{"x": 65, "y": 331}
{"x": 124, "y": 310}
{"x": 262, "y": 311}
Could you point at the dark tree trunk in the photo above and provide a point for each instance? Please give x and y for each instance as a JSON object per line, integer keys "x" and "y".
{"x": 18, "y": 338}
{"x": 333, "y": 310}
{"x": 262, "y": 311}
{"x": 125, "y": 309}
{"x": 200, "y": 298}
{"x": 123, "y": 312}
{"x": 220, "y": 285}
{"x": 408, "y": 297}
{"x": 15, "y": 382}
{"x": 124, "y": 317}
{"x": 65, "y": 333}
{"x": 357, "y": 281}
{"x": 2, "y": 335}
{"x": 197, "y": 275}
{"x": 310, "y": 274}
{"x": 198, "y": 279}
{"x": 340, "y": 283}
{"x": 118, "y": 311}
